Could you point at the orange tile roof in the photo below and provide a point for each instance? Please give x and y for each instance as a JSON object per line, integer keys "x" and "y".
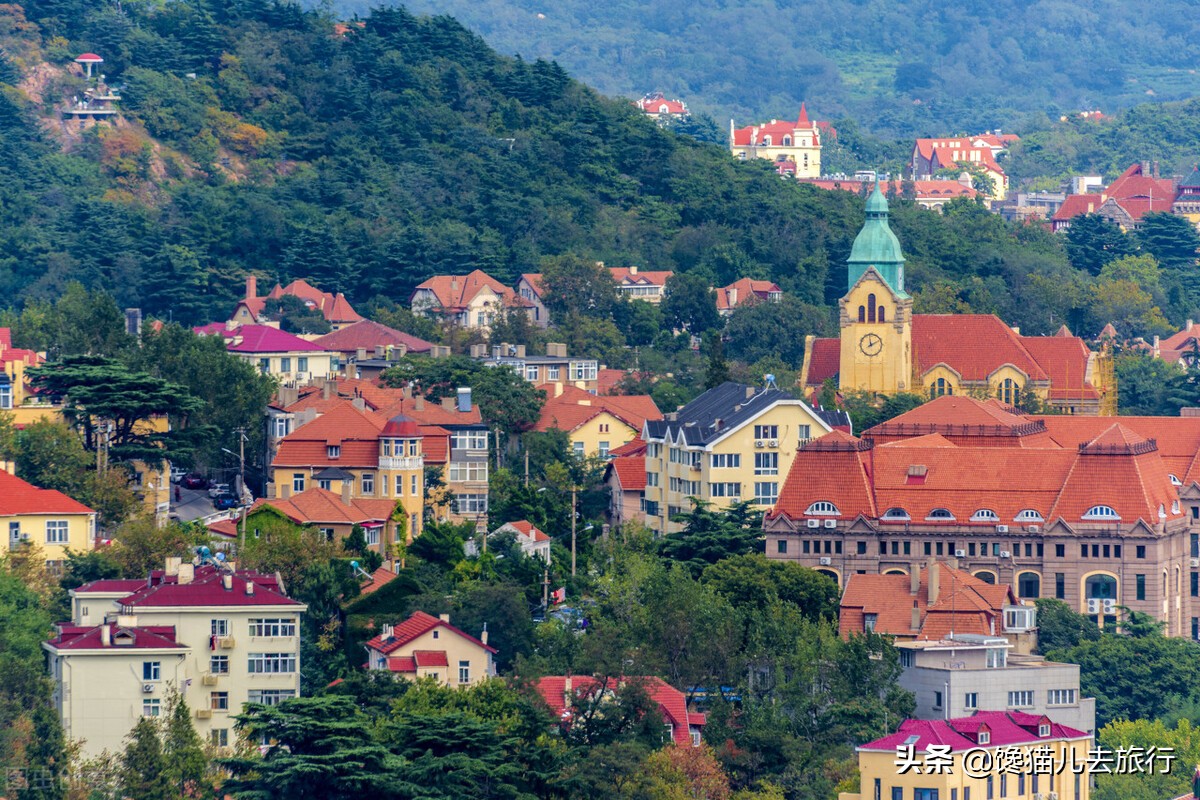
{"x": 435, "y": 446}
{"x": 1076, "y": 205}
{"x": 379, "y": 578}
{"x": 528, "y": 530}
{"x": 634, "y": 447}
{"x": 20, "y": 497}
{"x": 745, "y": 288}
{"x": 355, "y": 432}
{"x": 932, "y": 189}
{"x": 830, "y": 468}
{"x": 625, "y": 276}
{"x": 776, "y": 129}
{"x": 457, "y": 291}
{"x": 573, "y": 407}
{"x": 973, "y": 345}
{"x": 432, "y": 413}
{"x": 1140, "y": 194}
{"x": 314, "y": 506}
{"x": 631, "y": 472}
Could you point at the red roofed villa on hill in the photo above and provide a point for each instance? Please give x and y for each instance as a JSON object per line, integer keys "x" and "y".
{"x": 798, "y": 143}
{"x": 959, "y": 152}
{"x": 470, "y": 301}
{"x": 567, "y": 695}
{"x": 425, "y": 646}
{"x": 658, "y": 106}
{"x": 336, "y": 309}
{"x": 1069, "y": 507}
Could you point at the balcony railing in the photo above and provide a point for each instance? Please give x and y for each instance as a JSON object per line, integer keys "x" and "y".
{"x": 401, "y": 462}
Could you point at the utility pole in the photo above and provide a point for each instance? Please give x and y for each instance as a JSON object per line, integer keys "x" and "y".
{"x": 545, "y": 588}
{"x": 526, "y": 467}
{"x": 241, "y": 432}
{"x": 573, "y": 488}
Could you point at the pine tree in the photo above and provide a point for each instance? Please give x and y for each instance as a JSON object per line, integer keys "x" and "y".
{"x": 718, "y": 367}
{"x": 184, "y": 752}
{"x": 144, "y": 772}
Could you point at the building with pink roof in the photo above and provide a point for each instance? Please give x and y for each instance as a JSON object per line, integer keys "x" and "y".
{"x": 290, "y": 358}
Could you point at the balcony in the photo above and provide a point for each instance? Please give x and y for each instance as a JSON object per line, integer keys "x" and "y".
{"x": 401, "y": 462}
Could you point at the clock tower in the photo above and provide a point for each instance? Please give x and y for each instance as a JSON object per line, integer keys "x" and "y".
{"x": 876, "y": 313}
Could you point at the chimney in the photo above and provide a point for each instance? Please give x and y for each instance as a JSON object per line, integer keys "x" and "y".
{"x": 454, "y": 285}
{"x": 914, "y": 583}
{"x": 386, "y": 633}
{"x": 464, "y": 399}
{"x": 227, "y": 582}
{"x": 567, "y": 689}
{"x": 406, "y": 392}
{"x": 444, "y": 618}
{"x": 105, "y": 635}
{"x": 483, "y": 636}
{"x": 249, "y": 588}
{"x": 732, "y": 296}
{"x": 380, "y": 350}
{"x": 187, "y": 574}
{"x": 934, "y": 582}
{"x": 448, "y": 403}
{"x": 285, "y": 491}
{"x": 361, "y": 354}
{"x": 916, "y": 617}
{"x": 359, "y": 403}
{"x": 251, "y": 287}
{"x": 418, "y": 403}
{"x": 172, "y": 566}
{"x": 327, "y": 389}
{"x": 347, "y": 485}
{"x": 1189, "y": 325}
{"x": 749, "y": 392}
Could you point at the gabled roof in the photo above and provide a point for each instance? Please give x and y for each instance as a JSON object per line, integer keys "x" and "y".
{"x": 353, "y": 430}
{"x": 414, "y": 627}
{"x": 20, "y": 497}
{"x": 672, "y": 703}
{"x": 367, "y": 334}
{"x": 316, "y": 506}
{"x": 633, "y": 276}
{"x": 1139, "y": 193}
{"x": 150, "y": 637}
{"x": 527, "y": 530}
{"x": 379, "y": 578}
{"x": 974, "y": 345}
{"x": 207, "y": 590}
{"x": 745, "y": 288}
{"x": 634, "y": 447}
{"x": 573, "y": 406}
{"x": 730, "y": 405}
{"x": 824, "y": 360}
{"x": 1005, "y": 728}
{"x": 630, "y": 471}
{"x": 830, "y": 469}
{"x": 1076, "y": 205}
{"x": 657, "y": 103}
{"x": 455, "y": 292}
{"x": 776, "y": 129}
{"x": 258, "y": 339}
{"x": 946, "y": 153}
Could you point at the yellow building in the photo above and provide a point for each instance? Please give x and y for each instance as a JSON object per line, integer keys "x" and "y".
{"x": 43, "y": 517}
{"x": 425, "y": 646}
{"x": 221, "y": 638}
{"x": 15, "y": 396}
{"x": 884, "y": 348}
{"x": 355, "y": 453}
{"x": 734, "y": 442}
{"x": 595, "y": 424}
{"x": 796, "y": 142}
{"x": 992, "y": 754}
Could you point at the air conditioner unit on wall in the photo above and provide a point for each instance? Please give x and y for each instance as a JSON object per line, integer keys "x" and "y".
{"x": 203, "y": 713}
{"x": 227, "y": 643}
{"x": 773, "y": 443}
{"x": 1033, "y": 528}
{"x": 759, "y": 443}
{"x": 826, "y": 561}
{"x": 960, "y": 553}
{"x": 814, "y": 523}
{"x": 1001, "y": 529}
{"x": 1195, "y": 562}
{"x": 147, "y": 688}
{"x": 831, "y": 523}
{"x": 209, "y": 680}
{"x": 1005, "y": 554}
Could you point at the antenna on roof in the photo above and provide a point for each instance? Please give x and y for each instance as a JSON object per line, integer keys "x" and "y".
{"x": 359, "y": 571}
{"x": 217, "y": 560}
{"x": 769, "y": 380}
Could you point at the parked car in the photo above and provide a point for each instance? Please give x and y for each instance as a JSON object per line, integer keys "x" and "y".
{"x": 226, "y": 501}
{"x": 193, "y": 481}
{"x": 177, "y": 474}
{"x": 215, "y": 490}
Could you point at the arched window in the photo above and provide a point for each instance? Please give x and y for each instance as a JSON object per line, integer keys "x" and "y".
{"x": 940, "y": 388}
{"x": 787, "y": 141}
{"x": 986, "y": 577}
{"x": 1029, "y": 584}
{"x": 862, "y": 313}
{"x": 1175, "y": 480}
{"x": 940, "y": 513}
{"x": 870, "y": 308}
{"x": 830, "y": 573}
{"x": 1100, "y": 587}
{"x": 896, "y": 514}
{"x": 1101, "y": 512}
{"x": 985, "y": 515}
{"x": 1030, "y": 515}
{"x": 1010, "y": 393}
{"x": 882, "y": 314}
{"x": 824, "y": 508}
{"x": 767, "y": 141}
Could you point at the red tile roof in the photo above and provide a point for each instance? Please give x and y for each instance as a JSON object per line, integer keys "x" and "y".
{"x": 20, "y": 497}
{"x": 415, "y": 626}
{"x": 657, "y": 103}
{"x": 573, "y": 407}
{"x": 1140, "y": 194}
{"x": 973, "y": 345}
{"x": 430, "y": 658}
{"x": 926, "y": 190}
{"x": 356, "y": 432}
{"x": 156, "y": 637}
{"x": 318, "y": 506}
{"x": 527, "y": 529}
{"x": 672, "y": 703}
{"x": 368, "y": 334}
{"x": 633, "y": 276}
{"x": 207, "y": 590}
{"x": 631, "y": 472}
{"x": 825, "y": 361}
{"x": 1076, "y": 205}
{"x": 257, "y": 339}
{"x": 112, "y": 586}
{"x": 634, "y": 447}
{"x": 947, "y": 153}
{"x": 379, "y": 578}
{"x": 431, "y": 413}
{"x": 1005, "y": 729}
{"x": 776, "y": 129}
{"x": 745, "y": 288}
{"x": 455, "y": 292}
{"x": 225, "y": 527}
{"x": 435, "y": 446}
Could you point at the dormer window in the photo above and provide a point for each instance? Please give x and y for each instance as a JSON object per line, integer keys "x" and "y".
{"x": 896, "y": 514}
{"x": 1101, "y": 512}
{"x": 1043, "y": 730}
{"x": 869, "y": 622}
{"x": 823, "y": 508}
{"x": 1029, "y": 515}
{"x": 1175, "y": 480}
{"x": 333, "y": 451}
{"x": 984, "y": 737}
{"x": 985, "y": 515}
{"x": 940, "y": 514}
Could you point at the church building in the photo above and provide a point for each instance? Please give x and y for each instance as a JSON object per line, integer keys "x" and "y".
{"x": 885, "y": 348}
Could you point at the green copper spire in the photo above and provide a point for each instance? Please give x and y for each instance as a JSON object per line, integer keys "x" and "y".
{"x": 876, "y": 246}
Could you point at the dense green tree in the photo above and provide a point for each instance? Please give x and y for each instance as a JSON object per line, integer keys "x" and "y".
{"x": 576, "y": 286}
{"x": 294, "y": 316}
{"x": 183, "y": 752}
{"x": 709, "y": 535}
{"x": 718, "y": 368}
{"x": 1060, "y": 627}
{"x": 757, "y": 330}
{"x": 145, "y": 771}
{"x": 1092, "y": 241}
{"x": 689, "y": 304}
{"x": 754, "y": 581}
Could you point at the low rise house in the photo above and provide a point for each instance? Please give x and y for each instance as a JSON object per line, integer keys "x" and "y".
{"x": 564, "y": 694}
{"x": 532, "y": 540}
{"x": 594, "y": 424}
{"x": 367, "y": 338}
{"x": 929, "y": 156}
{"x": 280, "y": 354}
{"x": 655, "y": 104}
{"x": 222, "y": 637}
{"x": 47, "y": 518}
{"x": 251, "y": 309}
{"x": 16, "y": 396}
{"x": 632, "y": 282}
{"x": 1075, "y": 205}
{"x": 470, "y": 301}
{"x": 746, "y": 290}
{"x": 1136, "y": 192}
{"x": 625, "y": 477}
{"x": 425, "y": 646}
{"x": 554, "y": 367}
{"x": 334, "y": 512}
{"x": 900, "y": 765}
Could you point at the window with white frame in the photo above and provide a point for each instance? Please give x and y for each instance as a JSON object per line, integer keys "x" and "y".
{"x": 368, "y": 483}
{"x": 270, "y": 663}
{"x": 940, "y": 513}
{"x": 1101, "y": 512}
{"x": 219, "y": 627}
{"x": 804, "y": 432}
{"x": 151, "y": 707}
{"x": 270, "y": 697}
{"x": 603, "y": 449}
{"x": 399, "y": 486}
{"x": 577, "y": 449}
{"x": 218, "y": 701}
{"x": 219, "y": 737}
{"x": 531, "y": 372}
{"x": 282, "y": 426}
{"x": 6, "y": 392}
{"x": 985, "y": 515}
{"x": 333, "y": 451}
{"x": 766, "y": 431}
{"x": 766, "y": 463}
{"x": 552, "y": 373}
{"x": 896, "y": 514}
{"x": 725, "y": 489}
{"x": 766, "y": 493}
{"x": 285, "y": 364}
{"x": 372, "y": 535}
{"x": 415, "y": 490}
{"x": 151, "y": 670}
{"x": 218, "y": 665}
{"x": 1030, "y": 515}
{"x": 583, "y": 370}
{"x": 971, "y": 700}
{"x": 652, "y": 479}
{"x": 297, "y": 482}
{"x": 471, "y": 503}
{"x": 822, "y": 507}
{"x": 1060, "y": 697}
{"x": 468, "y": 440}
{"x": 464, "y": 671}
{"x": 272, "y": 627}
{"x": 302, "y": 363}
{"x": 324, "y": 483}
{"x": 725, "y": 460}
{"x": 469, "y": 471}
{"x": 56, "y": 531}
{"x": 1020, "y": 699}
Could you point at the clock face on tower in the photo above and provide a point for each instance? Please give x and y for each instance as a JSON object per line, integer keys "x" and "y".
{"x": 870, "y": 344}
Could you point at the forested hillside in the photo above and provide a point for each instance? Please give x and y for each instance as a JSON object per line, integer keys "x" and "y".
{"x": 900, "y": 68}
{"x": 259, "y": 137}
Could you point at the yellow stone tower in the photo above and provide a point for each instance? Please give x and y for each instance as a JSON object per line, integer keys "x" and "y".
{"x": 876, "y": 313}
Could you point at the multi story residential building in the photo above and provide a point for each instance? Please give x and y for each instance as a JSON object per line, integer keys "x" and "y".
{"x": 885, "y": 348}
{"x": 900, "y": 765}
{"x": 282, "y": 355}
{"x": 366, "y": 454}
{"x": 968, "y": 672}
{"x": 554, "y": 367}
{"x": 595, "y": 424}
{"x": 251, "y": 309}
{"x": 797, "y": 143}
{"x": 220, "y": 637}
{"x": 43, "y": 517}
{"x": 929, "y": 156}
{"x": 734, "y": 442}
{"x": 16, "y": 396}
{"x": 425, "y": 646}
{"x": 469, "y": 301}
{"x": 567, "y": 695}
{"x": 1084, "y": 509}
